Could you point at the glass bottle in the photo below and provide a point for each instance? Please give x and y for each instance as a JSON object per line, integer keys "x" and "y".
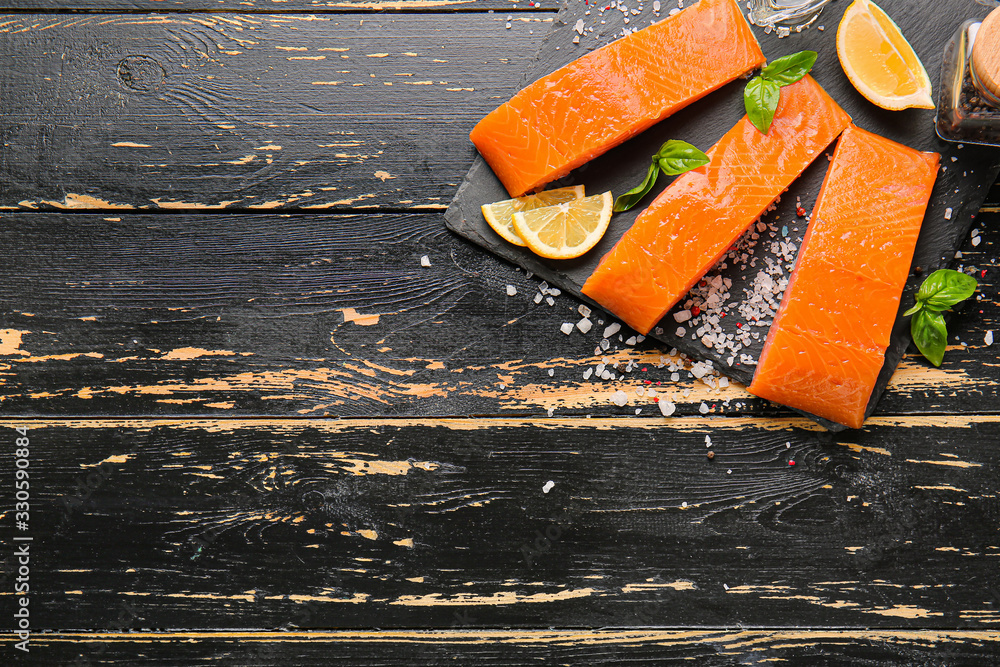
{"x": 784, "y": 16}
{"x": 969, "y": 92}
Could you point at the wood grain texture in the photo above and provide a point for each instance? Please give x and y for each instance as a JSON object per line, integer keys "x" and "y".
{"x": 712, "y": 648}
{"x": 278, "y": 6}
{"x": 334, "y": 315}
{"x": 222, "y": 524}
{"x": 197, "y": 111}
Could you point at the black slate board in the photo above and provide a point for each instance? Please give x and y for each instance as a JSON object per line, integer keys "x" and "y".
{"x": 961, "y": 186}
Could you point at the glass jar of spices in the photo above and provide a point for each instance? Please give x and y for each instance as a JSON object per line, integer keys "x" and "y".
{"x": 969, "y": 92}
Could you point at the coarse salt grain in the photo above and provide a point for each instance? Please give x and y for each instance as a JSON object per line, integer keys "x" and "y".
{"x": 667, "y": 408}
{"x": 619, "y": 398}
{"x": 548, "y": 486}
{"x": 612, "y": 329}
{"x": 947, "y": 214}
{"x": 703, "y": 409}
{"x": 584, "y": 325}
{"x": 583, "y": 310}
{"x": 988, "y": 339}
{"x": 549, "y": 300}
{"x": 425, "y": 261}
{"x": 511, "y": 290}
{"x": 566, "y": 328}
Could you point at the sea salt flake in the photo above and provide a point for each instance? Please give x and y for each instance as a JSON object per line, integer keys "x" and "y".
{"x": 549, "y": 300}
{"x": 612, "y": 329}
{"x": 538, "y": 298}
{"x": 703, "y": 409}
{"x": 630, "y": 341}
{"x": 587, "y": 373}
{"x": 583, "y": 310}
{"x": 552, "y": 372}
{"x": 579, "y": 27}
{"x": 667, "y": 408}
{"x": 976, "y": 240}
{"x": 548, "y": 486}
{"x": 425, "y": 261}
{"x": 566, "y": 328}
{"x": 619, "y": 398}
{"x": 988, "y": 339}
{"x": 511, "y": 290}
{"x": 947, "y": 214}
{"x": 584, "y": 325}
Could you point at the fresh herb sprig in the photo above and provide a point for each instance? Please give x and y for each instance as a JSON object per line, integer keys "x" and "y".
{"x": 940, "y": 291}
{"x": 762, "y": 93}
{"x": 674, "y": 157}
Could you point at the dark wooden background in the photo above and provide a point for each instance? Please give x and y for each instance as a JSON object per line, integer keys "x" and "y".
{"x": 262, "y": 433}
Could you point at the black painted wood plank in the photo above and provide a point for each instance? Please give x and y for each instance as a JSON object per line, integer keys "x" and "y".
{"x": 711, "y": 648}
{"x": 210, "y": 524}
{"x": 190, "y": 111}
{"x": 334, "y": 315}
{"x": 278, "y": 6}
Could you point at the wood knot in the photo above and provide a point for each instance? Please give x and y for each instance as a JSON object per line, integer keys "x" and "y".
{"x": 140, "y": 73}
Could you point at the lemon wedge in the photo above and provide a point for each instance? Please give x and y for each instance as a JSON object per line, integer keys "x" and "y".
{"x": 879, "y": 61}
{"x": 498, "y": 214}
{"x": 566, "y": 230}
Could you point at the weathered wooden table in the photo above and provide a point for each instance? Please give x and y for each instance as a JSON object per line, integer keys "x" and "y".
{"x": 261, "y": 431}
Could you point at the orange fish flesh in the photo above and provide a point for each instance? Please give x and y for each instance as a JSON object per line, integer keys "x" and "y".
{"x": 698, "y": 217}
{"x": 827, "y": 345}
{"x": 596, "y": 102}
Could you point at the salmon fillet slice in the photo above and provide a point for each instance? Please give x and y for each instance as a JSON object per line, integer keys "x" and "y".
{"x": 825, "y": 350}
{"x": 596, "y": 102}
{"x": 695, "y": 220}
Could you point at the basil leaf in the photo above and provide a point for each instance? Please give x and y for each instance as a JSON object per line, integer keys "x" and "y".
{"x": 945, "y": 288}
{"x": 678, "y": 157}
{"x": 634, "y": 196}
{"x": 916, "y": 307}
{"x": 761, "y": 101}
{"x": 930, "y": 335}
{"x": 787, "y": 70}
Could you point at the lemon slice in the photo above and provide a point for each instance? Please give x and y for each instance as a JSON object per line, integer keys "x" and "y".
{"x": 498, "y": 214}
{"x": 879, "y": 61}
{"x": 565, "y": 230}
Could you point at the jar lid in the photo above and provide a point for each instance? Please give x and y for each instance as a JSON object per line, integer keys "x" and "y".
{"x": 986, "y": 56}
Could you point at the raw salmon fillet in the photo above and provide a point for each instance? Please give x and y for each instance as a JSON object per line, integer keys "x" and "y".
{"x": 825, "y": 350}
{"x": 691, "y": 224}
{"x": 599, "y": 100}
